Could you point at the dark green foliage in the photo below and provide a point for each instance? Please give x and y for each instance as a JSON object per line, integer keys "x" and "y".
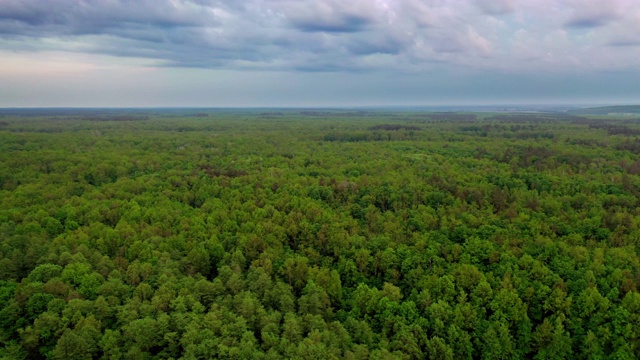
{"x": 319, "y": 235}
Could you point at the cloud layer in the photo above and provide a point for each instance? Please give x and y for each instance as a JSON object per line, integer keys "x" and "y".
{"x": 333, "y": 35}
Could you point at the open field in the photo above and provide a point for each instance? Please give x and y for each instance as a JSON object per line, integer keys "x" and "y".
{"x": 313, "y": 234}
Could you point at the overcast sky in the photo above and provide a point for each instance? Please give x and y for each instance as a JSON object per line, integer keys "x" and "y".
{"x": 231, "y": 53}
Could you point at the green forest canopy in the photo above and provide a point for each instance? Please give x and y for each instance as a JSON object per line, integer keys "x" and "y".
{"x": 318, "y": 235}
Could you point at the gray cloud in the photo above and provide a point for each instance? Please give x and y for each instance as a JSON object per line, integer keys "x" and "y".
{"x": 311, "y": 35}
{"x": 327, "y": 15}
{"x": 624, "y": 43}
{"x": 589, "y": 22}
{"x": 342, "y": 23}
{"x": 70, "y": 17}
{"x": 496, "y": 7}
{"x": 593, "y": 14}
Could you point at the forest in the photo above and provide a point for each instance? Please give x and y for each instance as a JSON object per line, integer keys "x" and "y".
{"x": 318, "y": 234}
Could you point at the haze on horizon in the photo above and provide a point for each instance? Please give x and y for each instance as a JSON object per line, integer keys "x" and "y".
{"x": 229, "y": 53}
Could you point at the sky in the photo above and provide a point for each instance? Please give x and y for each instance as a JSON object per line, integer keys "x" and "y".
{"x": 316, "y": 53}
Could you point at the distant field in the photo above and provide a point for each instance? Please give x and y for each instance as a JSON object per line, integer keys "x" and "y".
{"x": 629, "y": 109}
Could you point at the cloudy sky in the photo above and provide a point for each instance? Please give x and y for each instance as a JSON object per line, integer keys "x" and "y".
{"x": 230, "y": 53}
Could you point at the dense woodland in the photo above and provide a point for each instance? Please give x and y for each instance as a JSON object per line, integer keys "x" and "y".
{"x": 319, "y": 235}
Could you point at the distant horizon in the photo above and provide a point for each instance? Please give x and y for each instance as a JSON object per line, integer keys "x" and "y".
{"x": 338, "y": 107}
